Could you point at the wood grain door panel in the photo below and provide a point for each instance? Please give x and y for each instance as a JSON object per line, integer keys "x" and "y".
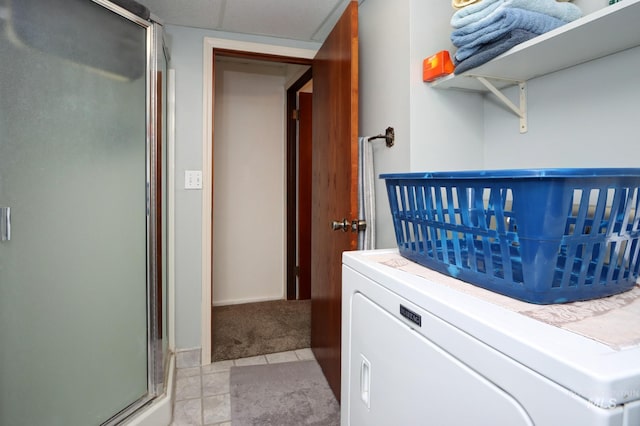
{"x": 334, "y": 184}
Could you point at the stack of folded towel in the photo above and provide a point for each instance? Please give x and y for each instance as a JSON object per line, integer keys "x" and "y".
{"x": 484, "y": 29}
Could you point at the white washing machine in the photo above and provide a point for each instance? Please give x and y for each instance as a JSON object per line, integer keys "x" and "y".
{"x": 421, "y": 348}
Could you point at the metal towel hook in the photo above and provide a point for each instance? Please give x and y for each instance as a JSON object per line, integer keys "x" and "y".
{"x": 389, "y": 136}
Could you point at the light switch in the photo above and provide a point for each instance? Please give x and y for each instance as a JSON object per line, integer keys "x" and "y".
{"x": 192, "y": 179}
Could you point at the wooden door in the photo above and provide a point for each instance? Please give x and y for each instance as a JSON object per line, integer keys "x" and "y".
{"x": 334, "y": 184}
{"x": 305, "y": 102}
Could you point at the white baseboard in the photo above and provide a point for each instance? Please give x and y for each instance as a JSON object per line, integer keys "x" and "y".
{"x": 241, "y": 301}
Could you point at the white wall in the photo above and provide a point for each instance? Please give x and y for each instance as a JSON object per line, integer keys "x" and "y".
{"x": 249, "y": 183}
{"x": 434, "y": 130}
{"x": 186, "y": 59}
{"x": 589, "y": 6}
{"x": 584, "y": 116}
{"x": 384, "y": 101}
{"x": 446, "y": 126}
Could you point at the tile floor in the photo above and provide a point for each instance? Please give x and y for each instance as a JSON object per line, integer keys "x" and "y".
{"x": 202, "y": 393}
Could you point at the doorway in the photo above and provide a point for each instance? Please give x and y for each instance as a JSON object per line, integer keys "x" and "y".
{"x": 267, "y": 51}
{"x": 299, "y": 175}
{"x": 333, "y": 183}
{"x": 254, "y": 181}
{"x": 335, "y": 112}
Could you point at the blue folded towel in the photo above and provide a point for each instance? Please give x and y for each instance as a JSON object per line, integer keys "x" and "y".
{"x": 471, "y": 37}
{"x": 474, "y": 12}
{"x": 564, "y": 11}
{"x": 489, "y": 51}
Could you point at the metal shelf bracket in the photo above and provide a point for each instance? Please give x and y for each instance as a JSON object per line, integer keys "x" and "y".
{"x": 520, "y": 111}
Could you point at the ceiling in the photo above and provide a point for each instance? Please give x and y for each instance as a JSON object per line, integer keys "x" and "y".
{"x": 304, "y": 20}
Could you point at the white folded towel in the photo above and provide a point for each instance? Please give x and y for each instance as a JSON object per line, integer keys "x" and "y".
{"x": 459, "y": 4}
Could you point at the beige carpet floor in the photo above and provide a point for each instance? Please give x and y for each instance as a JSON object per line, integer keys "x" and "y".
{"x": 252, "y": 329}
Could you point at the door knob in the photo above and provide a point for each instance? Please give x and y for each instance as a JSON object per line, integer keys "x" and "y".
{"x": 345, "y": 225}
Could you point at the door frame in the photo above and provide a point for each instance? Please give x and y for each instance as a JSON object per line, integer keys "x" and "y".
{"x": 294, "y": 207}
{"x": 249, "y": 48}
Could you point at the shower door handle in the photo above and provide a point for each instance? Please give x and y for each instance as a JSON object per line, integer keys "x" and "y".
{"x": 5, "y": 223}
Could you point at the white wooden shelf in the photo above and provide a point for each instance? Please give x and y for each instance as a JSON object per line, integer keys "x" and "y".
{"x": 609, "y": 30}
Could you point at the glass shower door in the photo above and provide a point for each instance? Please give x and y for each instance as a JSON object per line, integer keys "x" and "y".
{"x": 73, "y": 187}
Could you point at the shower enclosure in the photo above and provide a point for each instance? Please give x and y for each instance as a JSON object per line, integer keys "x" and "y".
{"x": 82, "y": 241}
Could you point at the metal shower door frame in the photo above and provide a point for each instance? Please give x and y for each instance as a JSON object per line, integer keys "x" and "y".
{"x": 155, "y": 356}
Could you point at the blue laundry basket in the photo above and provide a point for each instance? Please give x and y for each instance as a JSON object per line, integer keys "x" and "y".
{"x": 542, "y": 236}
